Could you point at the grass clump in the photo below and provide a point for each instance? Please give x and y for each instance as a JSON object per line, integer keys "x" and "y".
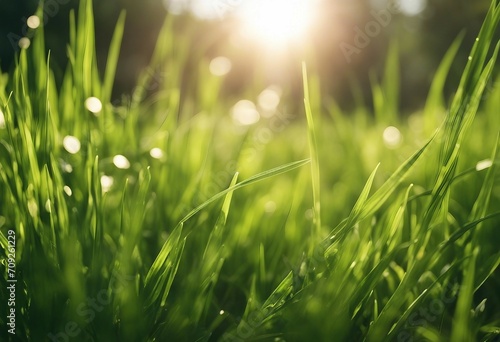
{"x": 140, "y": 221}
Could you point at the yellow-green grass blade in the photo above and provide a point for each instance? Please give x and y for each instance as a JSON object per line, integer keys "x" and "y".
{"x": 313, "y": 150}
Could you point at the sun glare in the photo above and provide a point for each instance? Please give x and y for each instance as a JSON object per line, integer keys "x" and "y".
{"x": 276, "y": 21}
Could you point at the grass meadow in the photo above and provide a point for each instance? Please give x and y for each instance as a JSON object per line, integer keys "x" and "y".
{"x": 162, "y": 218}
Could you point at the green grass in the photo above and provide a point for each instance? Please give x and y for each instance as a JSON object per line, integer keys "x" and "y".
{"x": 222, "y": 238}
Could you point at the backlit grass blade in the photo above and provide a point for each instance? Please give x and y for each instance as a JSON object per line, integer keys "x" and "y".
{"x": 266, "y": 312}
{"x": 462, "y": 330}
{"x": 161, "y": 274}
{"x": 278, "y": 298}
{"x": 256, "y": 178}
{"x": 156, "y": 275}
{"x": 386, "y": 93}
{"x": 434, "y": 102}
{"x": 84, "y": 69}
{"x": 353, "y": 218}
{"x": 372, "y": 278}
{"x": 483, "y": 199}
{"x": 412, "y": 308}
{"x": 378, "y": 199}
{"x": 112, "y": 62}
{"x": 213, "y": 258}
{"x": 472, "y": 83}
{"x": 313, "y": 150}
{"x": 128, "y": 252}
{"x": 461, "y": 115}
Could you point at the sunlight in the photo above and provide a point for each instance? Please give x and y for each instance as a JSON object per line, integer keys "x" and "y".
{"x": 276, "y": 21}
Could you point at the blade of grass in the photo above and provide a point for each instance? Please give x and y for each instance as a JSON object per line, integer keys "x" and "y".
{"x": 112, "y": 62}
{"x": 313, "y": 150}
{"x": 256, "y": 178}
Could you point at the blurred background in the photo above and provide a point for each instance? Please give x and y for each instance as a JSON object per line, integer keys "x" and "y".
{"x": 345, "y": 42}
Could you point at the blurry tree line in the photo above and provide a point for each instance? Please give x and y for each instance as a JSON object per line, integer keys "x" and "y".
{"x": 422, "y": 40}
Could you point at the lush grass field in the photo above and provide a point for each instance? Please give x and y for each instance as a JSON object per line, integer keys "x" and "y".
{"x": 307, "y": 226}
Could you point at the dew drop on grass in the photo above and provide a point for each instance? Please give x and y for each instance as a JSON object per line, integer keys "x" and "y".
{"x": 470, "y": 58}
{"x": 71, "y": 144}
{"x": 33, "y": 22}
{"x": 68, "y": 190}
{"x": 221, "y": 312}
{"x": 106, "y": 183}
{"x": 94, "y": 105}
{"x": 220, "y": 66}
{"x": 2, "y": 120}
{"x": 156, "y": 153}
{"x": 484, "y": 164}
{"x": 121, "y": 162}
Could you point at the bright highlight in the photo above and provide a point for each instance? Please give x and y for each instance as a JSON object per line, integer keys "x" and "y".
{"x": 277, "y": 21}
{"x": 2, "y": 119}
{"x": 94, "y": 105}
{"x": 121, "y": 162}
{"x": 71, "y": 144}
{"x": 33, "y": 22}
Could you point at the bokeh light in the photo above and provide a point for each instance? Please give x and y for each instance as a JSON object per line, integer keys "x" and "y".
{"x": 2, "y": 120}
{"x": 156, "y": 153}
{"x": 121, "y": 162}
{"x": 33, "y": 22}
{"x": 484, "y": 164}
{"x": 220, "y": 66}
{"x": 94, "y": 105}
{"x": 71, "y": 144}
{"x": 68, "y": 190}
{"x": 412, "y": 7}
{"x": 65, "y": 166}
{"x": 106, "y": 183}
{"x": 270, "y": 207}
{"x": 175, "y": 7}
{"x": 270, "y": 98}
{"x": 392, "y": 137}
{"x": 245, "y": 113}
{"x": 24, "y": 43}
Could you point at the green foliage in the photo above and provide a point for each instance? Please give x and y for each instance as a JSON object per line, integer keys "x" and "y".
{"x": 219, "y": 236}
